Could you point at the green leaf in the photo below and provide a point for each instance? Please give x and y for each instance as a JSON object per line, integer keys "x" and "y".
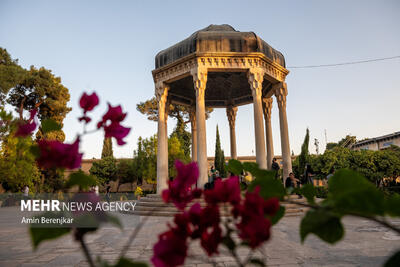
{"x": 394, "y": 260}
{"x": 257, "y": 261}
{"x": 251, "y": 167}
{"x": 49, "y": 125}
{"x": 347, "y": 181}
{"x": 309, "y": 192}
{"x": 269, "y": 186}
{"x": 325, "y": 225}
{"x": 235, "y": 167}
{"x": 124, "y": 262}
{"x": 39, "y": 233}
{"x": 81, "y": 179}
{"x": 279, "y": 215}
{"x": 351, "y": 193}
{"x": 392, "y": 205}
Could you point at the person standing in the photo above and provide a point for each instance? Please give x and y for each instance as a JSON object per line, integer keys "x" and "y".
{"x": 308, "y": 175}
{"x": 108, "y": 191}
{"x": 275, "y": 167}
{"x": 26, "y": 192}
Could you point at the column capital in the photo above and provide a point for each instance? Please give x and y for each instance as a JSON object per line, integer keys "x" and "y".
{"x": 231, "y": 112}
{"x": 199, "y": 79}
{"x": 255, "y": 77}
{"x": 280, "y": 94}
{"x": 267, "y": 107}
{"x": 162, "y": 100}
{"x": 161, "y": 92}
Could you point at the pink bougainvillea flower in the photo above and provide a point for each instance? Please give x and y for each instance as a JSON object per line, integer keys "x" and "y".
{"x": 111, "y": 124}
{"x": 84, "y": 118}
{"x": 227, "y": 190}
{"x": 255, "y": 230}
{"x": 254, "y": 227}
{"x": 117, "y": 131}
{"x": 54, "y": 154}
{"x": 170, "y": 250}
{"x": 28, "y": 127}
{"x": 211, "y": 240}
{"x": 25, "y": 129}
{"x": 203, "y": 218}
{"x": 271, "y": 206}
{"x": 178, "y": 190}
{"x": 88, "y": 102}
{"x": 113, "y": 114}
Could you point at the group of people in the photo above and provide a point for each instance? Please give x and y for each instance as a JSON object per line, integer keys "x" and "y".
{"x": 292, "y": 181}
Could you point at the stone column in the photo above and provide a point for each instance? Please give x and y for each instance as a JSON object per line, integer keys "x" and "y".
{"x": 200, "y": 81}
{"x": 166, "y": 127}
{"x": 231, "y": 113}
{"x": 192, "y": 116}
{"x": 280, "y": 94}
{"x": 267, "y": 106}
{"x": 162, "y": 139}
{"x": 255, "y": 77}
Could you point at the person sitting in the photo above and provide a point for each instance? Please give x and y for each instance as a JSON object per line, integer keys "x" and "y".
{"x": 292, "y": 181}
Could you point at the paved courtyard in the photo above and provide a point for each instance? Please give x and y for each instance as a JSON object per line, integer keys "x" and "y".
{"x": 365, "y": 244}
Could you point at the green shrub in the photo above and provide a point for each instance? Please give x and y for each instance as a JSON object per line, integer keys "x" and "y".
{"x": 321, "y": 191}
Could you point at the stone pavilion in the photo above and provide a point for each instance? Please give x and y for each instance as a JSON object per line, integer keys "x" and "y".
{"x": 220, "y": 67}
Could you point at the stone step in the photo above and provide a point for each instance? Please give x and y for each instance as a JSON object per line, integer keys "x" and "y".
{"x": 171, "y": 213}
{"x": 152, "y": 204}
{"x": 155, "y": 199}
{"x": 202, "y": 203}
{"x": 169, "y": 206}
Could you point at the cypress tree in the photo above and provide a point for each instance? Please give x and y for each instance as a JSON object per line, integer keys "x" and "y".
{"x": 218, "y": 154}
{"x": 223, "y": 171}
{"x": 304, "y": 155}
{"x": 107, "y": 148}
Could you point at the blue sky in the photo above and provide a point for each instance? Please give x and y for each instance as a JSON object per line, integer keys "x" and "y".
{"x": 109, "y": 47}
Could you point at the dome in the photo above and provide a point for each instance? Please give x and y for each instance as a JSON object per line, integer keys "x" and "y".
{"x": 218, "y": 38}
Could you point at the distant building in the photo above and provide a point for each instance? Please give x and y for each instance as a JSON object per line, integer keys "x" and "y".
{"x": 378, "y": 143}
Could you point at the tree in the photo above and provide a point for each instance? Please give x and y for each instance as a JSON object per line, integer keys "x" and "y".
{"x": 17, "y": 164}
{"x": 179, "y": 112}
{"x": 105, "y": 170}
{"x": 223, "y": 168}
{"x": 184, "y": 137}
{"x": 42, "y": 90}
{"x": 175, "y": 152}
{"x": 37, "y": 89}
{"x": 11, "y": 73}
{"x": 219, "y": 159}
{"x": 331, "y": 145}
{"x": 145, "y": 157}
{"x": 348, "y": 141}
{"x": 303, "y": 158}
{"x": 374, "y": 165}
{"x": 125, "y": 172}
{"x": 107, "y": 148}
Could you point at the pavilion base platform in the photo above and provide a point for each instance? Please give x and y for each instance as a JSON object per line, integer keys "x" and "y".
{"x": 153, "y": 205}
